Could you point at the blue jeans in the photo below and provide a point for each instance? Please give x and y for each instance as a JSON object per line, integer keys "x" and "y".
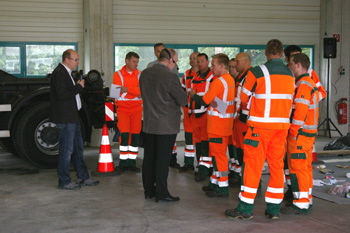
{"x": 71, "y": 147}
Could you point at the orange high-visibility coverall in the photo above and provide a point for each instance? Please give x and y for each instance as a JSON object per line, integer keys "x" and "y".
{"x": 129, "y": 112}
{"x": 198, "y": 117}
{"x": 219, "y": 129}
{"x": 269, "y": 88}
{"x": 239, "y": 125}
{"x": 189, "y": 145}
{"x": 301, "y": 138}
{"x": 322, "y": 94}
{"x": 321, "y": 91}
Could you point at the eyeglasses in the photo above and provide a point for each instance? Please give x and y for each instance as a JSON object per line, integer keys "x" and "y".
{"x": 73, "y": 59}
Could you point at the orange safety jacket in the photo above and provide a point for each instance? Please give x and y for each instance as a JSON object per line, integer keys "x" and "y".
{"x": 269, "y": 89}
{"x": 221, "y": 123}
{"x": 187, "y": 78}
{"x": 241, "y": 109}
{"x": 131, "y": 81}
{"x": 201, "y": 86}
{"x": 305, "y": 109}
{"x": 321, "y": 91}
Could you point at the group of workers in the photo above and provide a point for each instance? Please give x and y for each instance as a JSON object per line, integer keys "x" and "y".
{"x": 257, "y": 114}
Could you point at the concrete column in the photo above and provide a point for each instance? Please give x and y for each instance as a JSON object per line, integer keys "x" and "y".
{"x": 98, "y": 37}
{"x": 98, "y": 45}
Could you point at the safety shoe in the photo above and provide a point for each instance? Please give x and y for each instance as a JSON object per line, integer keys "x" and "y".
{"x": 207, "y": 188}
{"x": 216, "y": 194}
{"x": 234, "y": 182}
{"x": 134, "y": 169}
{"x": 186, "y": 167}
{"x": 70, "y": 186}
{"x": 174, "y": 165}
{"x": 233, "y": 213}
{"x": 272, "y": 216}
{"x": 121, "y": 169}
{"x": 199, "y": 177}
{"x": 288, "y": 210}
{"x": 88, "y": 182}
{"x": 288, "y": 195}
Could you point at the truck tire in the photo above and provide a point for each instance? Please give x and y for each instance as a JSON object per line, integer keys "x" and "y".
{"x": 35, "y": 137}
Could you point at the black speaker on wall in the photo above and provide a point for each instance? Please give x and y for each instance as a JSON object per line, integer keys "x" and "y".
{"x": 330, "y": 47}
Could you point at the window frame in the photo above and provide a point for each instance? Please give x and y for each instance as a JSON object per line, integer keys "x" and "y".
{"x": 23, "y": 51}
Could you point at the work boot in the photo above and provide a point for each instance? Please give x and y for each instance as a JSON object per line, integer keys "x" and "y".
{"x": 216, "y": 194}
{"x": 233, "y": 213}
{"x": 134, "y": 169}
{"x": 121, "y": 169}
{"x": 288, "y": 195}
{"x": 272, "y": 216}
{"x": 199, "y": 177}
{"x": 174, "y": 165}
{"x": 292, "y": 211}
{"x": 207, "y": 188}
{"x": 186, "y": 167}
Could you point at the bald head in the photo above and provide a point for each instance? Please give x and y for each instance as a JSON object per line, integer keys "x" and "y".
{"x": 242, "y": 62}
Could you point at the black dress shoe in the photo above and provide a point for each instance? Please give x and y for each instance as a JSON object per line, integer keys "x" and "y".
{"x": 149, "y": 196}
{"x": 167, "y": 199}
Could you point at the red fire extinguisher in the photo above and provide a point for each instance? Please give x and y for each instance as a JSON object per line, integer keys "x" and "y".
{"x": 342, "y": 111}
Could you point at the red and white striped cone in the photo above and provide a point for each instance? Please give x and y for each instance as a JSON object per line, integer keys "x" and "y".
{"x": 105, "y": 164}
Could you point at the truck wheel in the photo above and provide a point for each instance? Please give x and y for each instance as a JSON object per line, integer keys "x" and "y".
{"x": 36, "y": 138}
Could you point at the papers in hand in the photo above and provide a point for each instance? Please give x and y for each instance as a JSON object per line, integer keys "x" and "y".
{"x": 221, "y": 106}
{"x": 115, "y": 91}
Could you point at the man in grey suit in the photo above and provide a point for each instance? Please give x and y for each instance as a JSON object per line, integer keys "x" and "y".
{"x": 162, "y": 96}
{"x": 65, "y": 105}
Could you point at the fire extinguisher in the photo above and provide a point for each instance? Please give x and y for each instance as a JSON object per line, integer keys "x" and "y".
{"x": 342, "y": 110}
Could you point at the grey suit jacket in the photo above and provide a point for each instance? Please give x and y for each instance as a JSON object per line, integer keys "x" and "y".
{"x": 162, "y": 97}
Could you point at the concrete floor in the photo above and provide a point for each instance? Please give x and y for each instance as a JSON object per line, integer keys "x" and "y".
{"x": 32, "y": 203}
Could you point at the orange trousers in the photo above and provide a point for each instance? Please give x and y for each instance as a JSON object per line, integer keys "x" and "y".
{"x": 260, "y": 145}
{"x": 129, "y": 125}
{"x": 299, "y": 157}
{"x": 218, "y": 148}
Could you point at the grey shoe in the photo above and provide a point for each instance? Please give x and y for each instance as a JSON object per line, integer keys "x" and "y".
{"x": 70, "y": 186}
{"x": 88, "y": 182}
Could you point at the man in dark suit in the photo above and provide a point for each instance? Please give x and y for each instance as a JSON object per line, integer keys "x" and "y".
{"x": 162, "y": 96}
{"x": 65, "y": 104}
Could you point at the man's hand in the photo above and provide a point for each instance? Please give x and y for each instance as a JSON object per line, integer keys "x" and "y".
{"x": 192, "y": 92}
{"x": 123, "y": 89}
{"x": 213, "y": 104}
{"x": 81, "y": 82}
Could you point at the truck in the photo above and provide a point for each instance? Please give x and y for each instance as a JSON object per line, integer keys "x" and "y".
{"x": 25, "y": 127}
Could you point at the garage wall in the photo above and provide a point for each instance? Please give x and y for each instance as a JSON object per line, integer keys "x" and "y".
{"x": 216, "y": 22}
{"x": 41, "y": 20}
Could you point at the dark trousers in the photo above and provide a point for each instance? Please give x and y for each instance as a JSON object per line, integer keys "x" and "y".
{"x": 71, "y": 147}
{"x": 155, "y": 167}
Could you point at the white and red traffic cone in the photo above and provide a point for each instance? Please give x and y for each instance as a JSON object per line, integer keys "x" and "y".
{"x": 105, "y": 164}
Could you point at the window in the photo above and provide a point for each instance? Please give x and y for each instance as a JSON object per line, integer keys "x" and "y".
{"x": 10, "y": 59}
{"x": 256, "y": 52}
{"x": 31, "y": 59}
